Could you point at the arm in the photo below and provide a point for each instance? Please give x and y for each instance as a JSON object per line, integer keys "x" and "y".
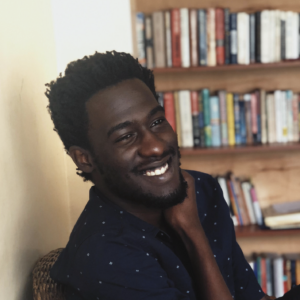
{"x": 184, "y": 219}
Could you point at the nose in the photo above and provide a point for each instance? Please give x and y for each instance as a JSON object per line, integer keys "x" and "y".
{"x": 151, "y": 145}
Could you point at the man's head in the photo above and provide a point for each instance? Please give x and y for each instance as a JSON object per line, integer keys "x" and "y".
{"x": 105, "y": 110}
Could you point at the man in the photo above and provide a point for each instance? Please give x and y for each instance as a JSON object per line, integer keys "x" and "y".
{"x": 150, "y": 230}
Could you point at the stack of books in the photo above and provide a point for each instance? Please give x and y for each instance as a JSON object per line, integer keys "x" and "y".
{"x": 202, "y": 119}
{"x": 209, "y": 37}
{"x": 276, "y": 274}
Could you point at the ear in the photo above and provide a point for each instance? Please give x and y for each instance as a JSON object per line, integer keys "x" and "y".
{"x": 82, "y": 158}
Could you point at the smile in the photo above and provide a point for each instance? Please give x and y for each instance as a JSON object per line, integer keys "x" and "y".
{"x": 157, "y": 171}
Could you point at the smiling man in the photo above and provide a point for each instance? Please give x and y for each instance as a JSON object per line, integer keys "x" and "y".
{"x": 150, "y": 230}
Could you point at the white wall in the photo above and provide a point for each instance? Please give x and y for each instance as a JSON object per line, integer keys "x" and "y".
{"x": 81, "y": 28}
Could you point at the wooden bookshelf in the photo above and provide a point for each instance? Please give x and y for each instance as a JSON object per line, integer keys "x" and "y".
{"x": 273, "y": 169}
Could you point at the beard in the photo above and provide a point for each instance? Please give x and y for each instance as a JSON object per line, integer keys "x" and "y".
{"x": 137, "y": 195}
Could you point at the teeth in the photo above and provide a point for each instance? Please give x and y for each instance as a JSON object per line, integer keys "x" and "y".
{"x": 157, "y": 171}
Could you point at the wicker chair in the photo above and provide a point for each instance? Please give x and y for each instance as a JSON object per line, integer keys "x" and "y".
{"x": 44, "y": 288}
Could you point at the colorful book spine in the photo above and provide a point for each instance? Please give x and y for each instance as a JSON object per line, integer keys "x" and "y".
{"x": 201, "y": 119}
{"x": 175, "y": 30}
{"x": 159, "y": 39}
{"x": 233, "y": 38}
{"x": 227, "y": 35}
{"x": 230, "y": 119}
{"x": 237, "y": 121}
{"x": 256, "y": 207}
{"x": 243, "y": 127}
{"x": 202, "y": 32}
{"x": 149, "y": 42}
{"x": 246, "y": 187}
{"x": 168, "y": 35}
{"x": 206, "y": 112}
{"x": 195, "y": 118}
{"x": 252, "y": 37}
{"x": 254, "y": 120}
{"x": 169, "y": 106}
{"x": 278, "y": 276}
{"x": 243, "y": 56}
{"x": 223, "y": 117}
{"x": 234, "y": 193}
{"x": 258, "y": 115}
{"x": 193, "y": 37}
{"x": 247, "y": 98}
{"x": 215, "y": 121}
{"x": 232, "y": 199}
{"x": 184, "y": 37}
{"x": 211, "y": 37}
{"x": 289, "y": 108}
{"x": 220, "y": 36}
{"x": 140, "y": 36}
{"x": 263, "y": 110}
{"x": 278, "y": 116}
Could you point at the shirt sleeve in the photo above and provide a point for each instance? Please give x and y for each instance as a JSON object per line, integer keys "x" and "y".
{"x": 118, "y": 270}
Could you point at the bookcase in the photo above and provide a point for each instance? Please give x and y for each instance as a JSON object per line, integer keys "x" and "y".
{"x": 274, "y": 169}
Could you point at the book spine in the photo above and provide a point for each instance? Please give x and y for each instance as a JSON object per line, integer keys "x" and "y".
{"x": 292, "y": 43}
{"x": 185, "y": 37}
{"x": 269, "y": 276}
{"x": 263, "y": 111}
{"x": 299, "y": 115}
{"x": 278, "y": 116}
{"x": 230, "y": 119}
{"x": 201, "y": 119}
{"x": 232, "y": 200}
{"x": 265, "y": 36}
{"x": 195, "y": 118}
{"x": 184, "y": 97}
{"x": 246, "y": 187}
{"x": 149, "y": 43}
{"x": 263, "y": 275}
{"x": 243, "y": 38}
{"x": 271, "y": 35}
{"x": 257, "y": 36}
{"x": 278, "y": 277}
{"x": 295, "y": 118}
{"x": 234, "y": 193}
{"x": 293, "y": 274}
{"x": 256, "y": 207}
{"x": 206, "y": 113}
{"x": 193, "y": 38}
{"x": 242, "y": 203}
{"x": 252, "y": 37}
{"x": 258, "y": 269}
{"x": 254, "y": 120}
{"x": 299, "y": 33}
{"x": 298, "y": 272}
{"x": 168, "y": 35}
{"x": 215, "y": 121}
{"x": 220, "y": 36}
{"x": 202, "y": 31}
{"x": 288, "y": 275}
{"x": 237, "y": 129}
{"x": 285, "y": 288}
{"x": 258, "y": 116}
{"x": 211, "y": 37}
{"x": 178, "y": 121}
{"x": 271, "y": 120}
{"x": 159, "y": 39}
{"x": 282, "y": 35}
{"x": 284, "y": 117}
{"x": 223, "y": 117}
{"x": 233, "y": 38}
{"x": 277, "y": 36}
{"x": 290, "y": 123}
{"x": 175, "y": 30}
{"x": 227, "y": 35}
{"x": 140, "y": 37}
{"x": 243, "y": 127}
{"x": 169, "y": 106}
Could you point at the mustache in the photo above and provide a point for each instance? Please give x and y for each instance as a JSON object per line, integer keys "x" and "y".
{"x": 171, "y": 151}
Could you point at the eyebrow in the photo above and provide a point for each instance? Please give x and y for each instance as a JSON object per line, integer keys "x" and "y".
{"x": 128, "y": 123}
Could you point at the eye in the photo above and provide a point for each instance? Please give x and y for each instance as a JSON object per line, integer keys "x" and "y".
{"x": 157, "y": 122}
{"x": 125, "y": 137}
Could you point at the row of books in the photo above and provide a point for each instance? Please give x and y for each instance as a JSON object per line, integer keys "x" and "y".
{"x": 202, "y": 119}
{"x": 276, "y": 274}
{"x": 209, "y": 37}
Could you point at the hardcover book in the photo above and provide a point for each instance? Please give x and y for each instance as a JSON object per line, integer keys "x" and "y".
{"x": 185, "y": 37}
{"x": 215, "y": 121}
{"x": 193, "y": 38}
{"x": 233, "y": 38}
{"x": 220, "y": 36}
{"x": 202, "y": 32}
{"x": 149, "y": 43}
{"x": 206, "y": 113}
{"x": 175, "y": 30}
{"x": 168, "y": 36}
{"x": 211, "y": 37}
{"x": 159, "y": 39}
{"x": 140, "y": 36}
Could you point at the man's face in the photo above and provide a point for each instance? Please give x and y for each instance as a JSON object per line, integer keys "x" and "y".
{"x": 134, "y": 147}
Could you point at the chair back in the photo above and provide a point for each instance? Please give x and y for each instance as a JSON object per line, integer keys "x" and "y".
{"x": 44, "y": 287}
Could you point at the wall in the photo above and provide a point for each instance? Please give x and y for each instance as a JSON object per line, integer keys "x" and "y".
{"x": 34, "y": 214}
{"x": 81, "y": 28}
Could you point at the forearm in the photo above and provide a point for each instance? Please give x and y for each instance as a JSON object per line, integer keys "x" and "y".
{"x": 209, "y": 281}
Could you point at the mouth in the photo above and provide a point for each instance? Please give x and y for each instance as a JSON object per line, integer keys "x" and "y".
{"x": 157, "y": 171}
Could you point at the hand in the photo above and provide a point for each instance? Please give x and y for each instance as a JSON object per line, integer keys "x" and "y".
{"x": 184, "y": 215}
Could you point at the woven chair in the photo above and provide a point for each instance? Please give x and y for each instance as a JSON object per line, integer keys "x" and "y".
{"x": 44, "y": 288}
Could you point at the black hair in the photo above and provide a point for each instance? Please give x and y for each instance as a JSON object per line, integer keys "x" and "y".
{"x": 83, "y": 78}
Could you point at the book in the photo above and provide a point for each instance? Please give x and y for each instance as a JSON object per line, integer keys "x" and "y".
{"x": 227, "y": 35}
{"x": 220, "y": 36}
{"x": 269, "y": 276}
{"x": 149, "y": 43}
{"x": 233, "y": 38}
{"x": 243, "y": 55}
{"x": 252, "y": 45}
{"x": 246, "y": 187}
{"x": 254, "y": 115}
{"x": 278, "y": 115}
{"x": 265, "y": 36}
{"x": 178, "y": 119}
{"x": 257, "y": 37}
{"x": 215, "y": 121}
{"x": 206, "y": 113}
{"x": 256, "y": 207}
{"x": 159, "y": 39}
{"x": 140, "y": 37}
{"x": 263, "y": 270}
{"x": 282, "y": 35}
{"x": 271, "y": 35}
{"x": 243, "y": 127}
{"x": 263, "y": 110}
{"x": 195, "y": 118}
{"x": 241, "y": 201}
{"x": 201, "y": 119}
{"x": 284, "y": 117}
{"x": 175, "y": 38}
{"x": 211, "y": 37}
{"x": 168, "y": 36}
{"x": 193, "y": 37}
{"x": 184, "y": 99}
{"x": 278, "y": 276}
{"x": 292, "y": 35}
{"x": 230, "y": 119}
{"x": 258, "y": 115}
{"x": 289, "y": 108}
{"x": 202, "y": 32}
{"x": 223, "y": 117}
{"x": 271, "y": 119}
{"x": 233, "y": 199}
{"x": 298, "y": 272}
{"x": 169, "y": 106}
{"x": 237, "y": 129}
{"x": 277, "y": 36}
{"x": 184, "y": 37}
{"x": 295, "y": 118}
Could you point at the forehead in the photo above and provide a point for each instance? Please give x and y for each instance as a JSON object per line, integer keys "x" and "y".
{"x": 128, "y": 100}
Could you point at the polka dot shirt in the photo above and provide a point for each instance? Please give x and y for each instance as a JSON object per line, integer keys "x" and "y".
{"x": 112, "y": 254}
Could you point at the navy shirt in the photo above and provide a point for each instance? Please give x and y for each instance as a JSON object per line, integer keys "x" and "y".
{"x": 112, "y": 254}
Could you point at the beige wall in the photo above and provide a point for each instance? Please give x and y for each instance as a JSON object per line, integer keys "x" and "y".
{"x": 34, "y": 213}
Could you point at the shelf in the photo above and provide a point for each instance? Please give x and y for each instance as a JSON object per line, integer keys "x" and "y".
{"x": 284, "y": 64}
{"x": 240, "y": 149}
{"x": 255, "y": 231}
